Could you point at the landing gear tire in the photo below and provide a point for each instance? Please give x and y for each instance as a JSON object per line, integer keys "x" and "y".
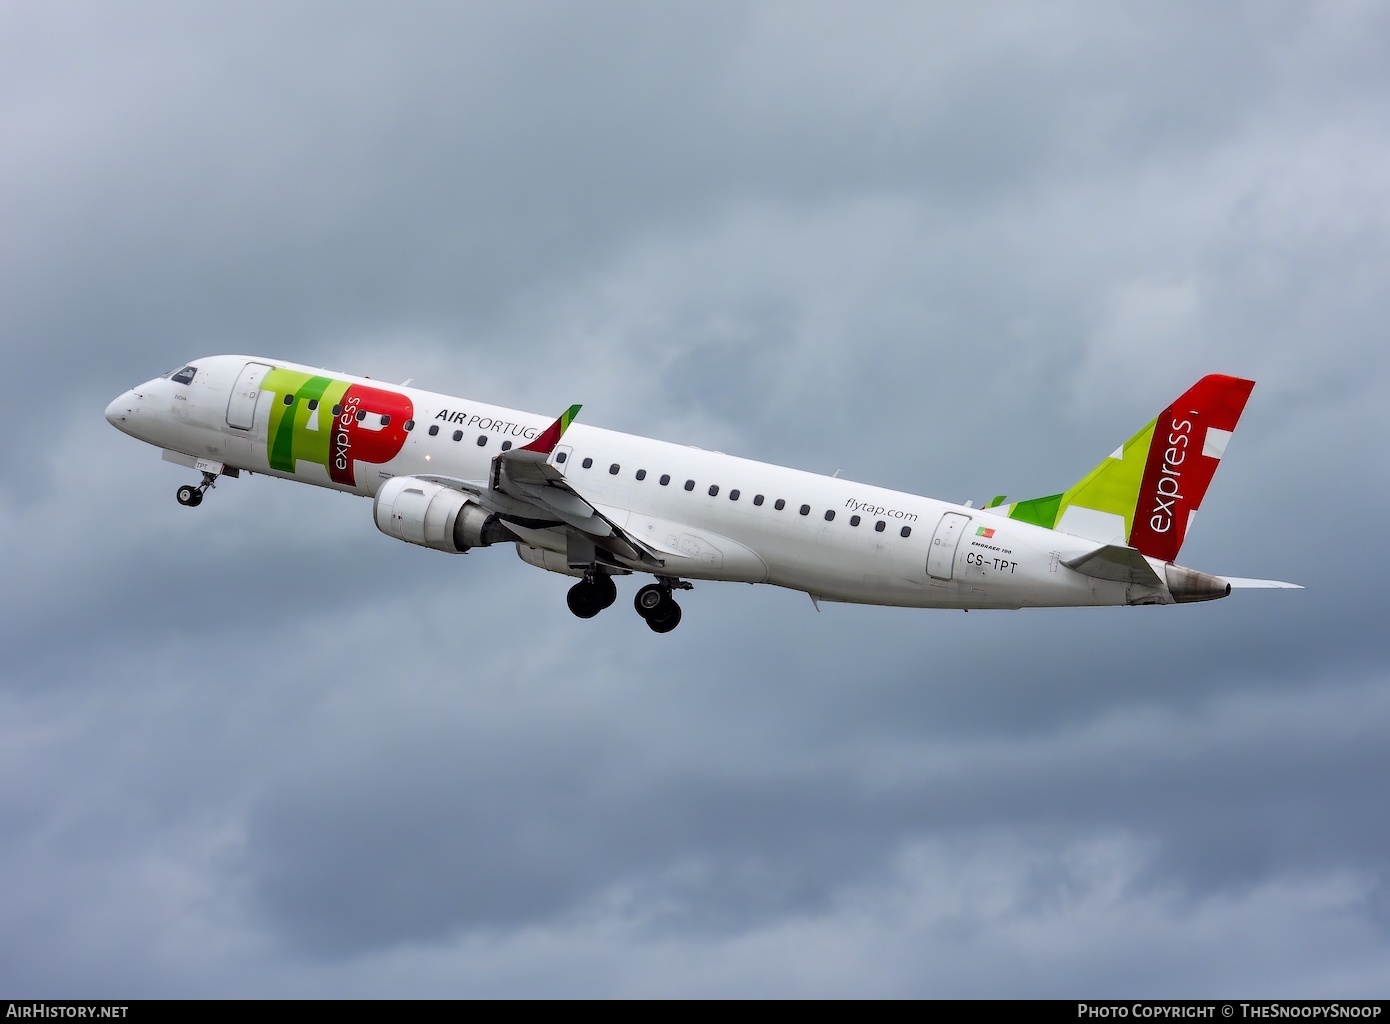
{"x": 586, "y": 599}
{"x": 193, "y": 496}
{"x": 649, "y": 598}
{"x": 665, "y": 618}
{"x": 653, "y": 602}
{"x": 605, "y": 589}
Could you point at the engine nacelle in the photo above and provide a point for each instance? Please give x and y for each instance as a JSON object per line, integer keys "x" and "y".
{"x": 434, "y": 516}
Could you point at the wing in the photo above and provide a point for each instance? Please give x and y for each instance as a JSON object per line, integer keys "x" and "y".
{"x": 530, "y": 475}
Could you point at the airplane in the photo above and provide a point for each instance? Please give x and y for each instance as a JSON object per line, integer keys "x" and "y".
{"x": 452, "y": 475}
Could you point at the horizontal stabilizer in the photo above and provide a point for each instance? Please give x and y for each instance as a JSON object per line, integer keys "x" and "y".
{"x": 1113, "y": 562}
{"x": 1238, "y": 583}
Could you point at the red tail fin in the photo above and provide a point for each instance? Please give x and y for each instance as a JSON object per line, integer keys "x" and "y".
{"x": 1189, "y": 439}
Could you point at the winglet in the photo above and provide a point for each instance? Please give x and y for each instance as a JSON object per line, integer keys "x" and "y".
{"x": 548, "y": 438}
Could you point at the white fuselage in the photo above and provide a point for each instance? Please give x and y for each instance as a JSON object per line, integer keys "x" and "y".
{"x": 712, "y": 516}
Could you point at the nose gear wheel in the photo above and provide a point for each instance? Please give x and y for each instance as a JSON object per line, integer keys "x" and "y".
{"x": 191, "y": 496}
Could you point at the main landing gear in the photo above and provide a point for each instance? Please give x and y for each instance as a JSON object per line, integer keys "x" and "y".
{"x": 654, "y": 603}
{"x": 591, "y": 595}
{"x": 193, "y": 496}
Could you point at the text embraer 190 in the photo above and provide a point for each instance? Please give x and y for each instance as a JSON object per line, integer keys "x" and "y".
{"x": 451, "y": 474}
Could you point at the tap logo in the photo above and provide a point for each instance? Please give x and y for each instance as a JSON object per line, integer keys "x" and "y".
{"x": 332, "y": 423}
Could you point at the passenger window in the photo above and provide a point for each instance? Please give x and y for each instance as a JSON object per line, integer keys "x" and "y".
{"x": 641, "y": 474}
{"x": 733, "y": 495}
{"x": 289, "y": 399}
{"x": 907, "y": 531}
{"x": 507, "y": 446}
{"x": 385, "y": 421}
{"x": 613, "y": 469}
{"x": 713, "y": 490}
{"x": 690, "y": 485}
{"x": 313, "y": 404}
{"x": 482, "y": 440}
{"x": 361, "y": 415}
{"x": 458, "y": 435}
{"x": 560, "y": 457}
{"x": 829, "y": 515}
{"x": 434, "y": 429}
{"x": 757, "y": 499}
{"x": 185, "y": 376}
{"x": 409, "y": 424}
{"x": 780, "y": 504}
{"x": 853, "y": 520}
{"x": 665, "y": 479}
{"x": 587, "y": 463}
{"x": 878, "y": 526}
{"x": 337, "y": 409}
{"x": 805, "y": 510}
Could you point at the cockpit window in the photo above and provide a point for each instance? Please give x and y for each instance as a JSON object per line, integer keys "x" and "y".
{"x": 184, "y": 376}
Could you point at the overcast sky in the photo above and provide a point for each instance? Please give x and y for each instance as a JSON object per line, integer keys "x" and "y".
{"x": 260, "y": 749}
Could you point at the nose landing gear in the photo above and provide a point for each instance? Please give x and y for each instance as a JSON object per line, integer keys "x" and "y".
{"x": 193, "y": 496}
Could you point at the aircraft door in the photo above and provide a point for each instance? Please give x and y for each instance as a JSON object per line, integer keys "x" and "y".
{"x": 241, "y": 407}
{"x": 941, "y": 559}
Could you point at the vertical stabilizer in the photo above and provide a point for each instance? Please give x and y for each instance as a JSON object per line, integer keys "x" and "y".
{"x": 1146, "y": 493}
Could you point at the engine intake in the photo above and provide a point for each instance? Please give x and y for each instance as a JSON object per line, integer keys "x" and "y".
{"x": 434, "y": 516}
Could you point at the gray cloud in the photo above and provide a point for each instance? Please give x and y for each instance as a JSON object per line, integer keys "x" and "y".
{"x": 260, "y": 749}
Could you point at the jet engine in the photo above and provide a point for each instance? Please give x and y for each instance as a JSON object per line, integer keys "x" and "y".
{"x": 434, "y": 516}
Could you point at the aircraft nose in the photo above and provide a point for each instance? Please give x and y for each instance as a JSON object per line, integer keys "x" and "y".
{"x": 120, "y": 410}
